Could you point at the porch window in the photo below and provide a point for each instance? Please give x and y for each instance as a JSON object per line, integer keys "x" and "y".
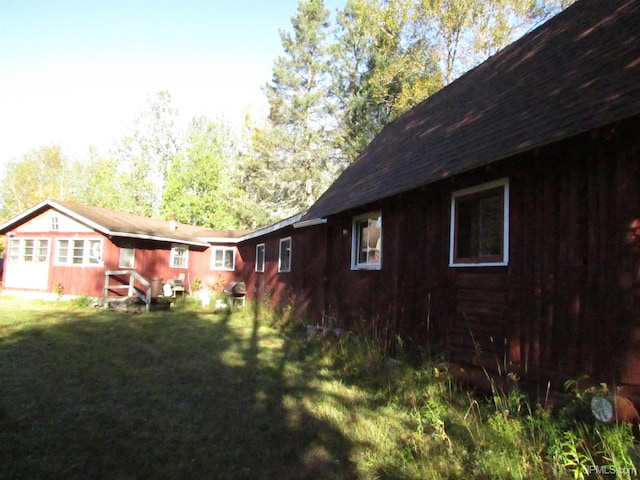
{"x": 260, "y": 249}
{"x": 42, "y": 251}
{"x": 14, "y": 251}
{"x": 127, "y": 257}
{"x": 366, "y": 251}
{"x": 480, "y": 225}
{"x": 223, "y": 258}
{"x": 284, "y": 260}
{"x": 28, "y": 250}
{"x": 79, "y": 252}
{"x": 179, "y": 256}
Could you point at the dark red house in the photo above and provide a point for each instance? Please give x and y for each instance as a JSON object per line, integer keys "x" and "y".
{"x": 497, "y": 222}
{"x": 66, "y": 248}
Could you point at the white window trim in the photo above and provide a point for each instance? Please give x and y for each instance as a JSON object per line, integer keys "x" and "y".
{"x": 13, "y": 254}
{"x": 264, "y": 257}
{"x": 355, "y": 247}
{"x": 86, "y": 252}
{"x": 503, "y": 182}
{"x": 133, "y": 257}
{"x": 223, "y": 250}
{"x": 280, "y": 268}
{"x": 21, "y": 248}
{"x": 173, "y": 255}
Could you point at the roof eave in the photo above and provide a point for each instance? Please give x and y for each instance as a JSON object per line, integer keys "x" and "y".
{"x": 310, "y": 222}
{"x": 26, "y": 215}
{"x": 271, "y": 228}
{"x": 211, "y": 240}
{"x": 157, "y": 238}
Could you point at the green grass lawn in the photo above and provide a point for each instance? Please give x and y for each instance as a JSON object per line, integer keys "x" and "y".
{"x": 182, "y": 394}
{"x": 189, "y": 393}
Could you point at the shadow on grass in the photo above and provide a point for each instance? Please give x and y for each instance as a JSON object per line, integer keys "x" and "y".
{"x": 184, "y": 394}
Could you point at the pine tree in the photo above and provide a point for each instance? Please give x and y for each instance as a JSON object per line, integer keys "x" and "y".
{"x": 296, "y": 152}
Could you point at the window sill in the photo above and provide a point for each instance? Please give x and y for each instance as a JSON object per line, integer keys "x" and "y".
{"x": 366, "y": 267}
{"x": 479, "y": 264}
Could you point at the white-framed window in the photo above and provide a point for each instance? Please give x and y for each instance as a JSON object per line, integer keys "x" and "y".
{"x": 79, "y": 251}
{"x": 127, "y": 257}
{"x": 366, "y": 249}
{"x": 54, "y": 227}
{"x": 28, "y": 250}
{"x": 284, "y": 258}
{"x": 479, "y": 234}
{"x": 13, "y": 250}
{"x": 260, "y": 256}
{"x": 179, "y": 256}
{"x": 223, "y": 258}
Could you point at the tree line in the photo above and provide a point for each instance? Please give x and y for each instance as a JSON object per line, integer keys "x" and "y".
{"x": 341, "y": 77}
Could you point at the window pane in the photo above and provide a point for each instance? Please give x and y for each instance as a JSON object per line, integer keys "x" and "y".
{"x": 260, "y": 258}
{"x": 127, "y": 256}
{"x": 42, "y": 251}
{"x": 218, "y": 254}
{"x": 479, "y": 225}
{"x": 369, "y": 240}
{"x": 78, "y": 252}
{"x": 95, "y": 252}
{"x": 63, "y": 251}
{"x": 179, "y": 260}
{"x": 27, "y": 251}
{"x": 14, "y": 250}
{"x": 228, "y": 259}
{"x": 179, "y": 257}
{"x": 285, "y": 255}
{"x": 490, "y": 226}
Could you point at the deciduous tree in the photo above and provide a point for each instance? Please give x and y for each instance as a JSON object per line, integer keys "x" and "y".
{"x": 203, "y": 186}
{"x": 144, "y": 156}
{"x": 94, "y": 181}
{"x": 391, "y": 54}
{"x": 42, "y": 173}
{"x": 379, "y": 69}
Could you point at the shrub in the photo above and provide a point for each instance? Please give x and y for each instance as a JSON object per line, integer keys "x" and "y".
{"x": 82, "y": 301}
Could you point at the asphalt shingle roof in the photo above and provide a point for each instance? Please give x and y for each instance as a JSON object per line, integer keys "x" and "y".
{"x": 112, "y": 222}
{"x": 578, "y": 71}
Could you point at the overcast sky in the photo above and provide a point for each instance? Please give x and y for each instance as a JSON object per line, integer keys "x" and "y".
{"x": 76, "y": 72}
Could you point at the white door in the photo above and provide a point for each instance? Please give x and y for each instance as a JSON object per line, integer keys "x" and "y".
{"x": 27, "y": 264}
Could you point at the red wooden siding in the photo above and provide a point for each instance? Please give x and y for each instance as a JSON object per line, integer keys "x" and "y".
{"x": 152, "y": 259}
{"x": 566, "y": 304}
{"x": 301, "y": 288}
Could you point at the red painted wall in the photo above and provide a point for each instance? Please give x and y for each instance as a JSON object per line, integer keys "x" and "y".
{"x": 568, "y": 302}
{"x": 152, "y": 259}
{"x": 302, "y": 288}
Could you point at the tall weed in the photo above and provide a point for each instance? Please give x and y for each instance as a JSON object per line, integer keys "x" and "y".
{"x": 455, "y": 432}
